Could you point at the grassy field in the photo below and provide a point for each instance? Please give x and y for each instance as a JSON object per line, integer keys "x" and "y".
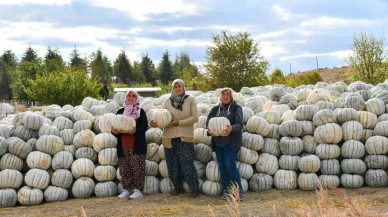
{"x": 336, "y": 202}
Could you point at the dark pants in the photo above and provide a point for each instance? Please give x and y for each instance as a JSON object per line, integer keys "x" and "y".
{"x": 226, "y": 159}
{"x": 180, "y": 164}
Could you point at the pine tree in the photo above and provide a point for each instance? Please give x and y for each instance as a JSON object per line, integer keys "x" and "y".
{"x": 8, "y": 75}
{"x": 29, "y": 68}
{"x": 76, "y": 62}
{"x": 53, "y": 61}
{"x": 100, "y": 66}
{"x": 148, "y": 69}
{"x": 30, "y": 55}
{"x": 9, "y": 58}
{"x": 182, "y": 63}
{"x": 122, "y": 69}
{"x": 165, "y": 69}
{"x": 138, "y": 76}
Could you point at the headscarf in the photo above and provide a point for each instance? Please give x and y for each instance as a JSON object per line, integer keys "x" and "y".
{"x": 222, "y": 105}
{"x": 132, "y": 111}
{"x": 177, "y": 101}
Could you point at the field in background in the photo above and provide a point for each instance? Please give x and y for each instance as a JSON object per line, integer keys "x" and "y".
{"x": 358, "y": 202}
{"x": 329, "y": 75}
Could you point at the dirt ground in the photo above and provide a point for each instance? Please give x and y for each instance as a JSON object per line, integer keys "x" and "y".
{"x": 369, "y": 202}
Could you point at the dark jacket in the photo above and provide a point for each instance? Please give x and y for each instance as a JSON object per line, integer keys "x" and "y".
{"x": 140, "y": 145}
{"x": 235, "y": 116}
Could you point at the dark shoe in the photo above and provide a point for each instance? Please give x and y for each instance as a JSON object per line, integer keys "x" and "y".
{"x": 224, "y": 195}
{"x": 176, "y": 192}
{"x": 194, "y": 194}
{"x": 241, "y": 196}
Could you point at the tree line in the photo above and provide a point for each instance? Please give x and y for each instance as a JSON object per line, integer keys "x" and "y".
{"x": 233, "y": 60}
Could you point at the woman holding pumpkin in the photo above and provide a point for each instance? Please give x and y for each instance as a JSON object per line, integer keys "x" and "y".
{"x": 178, "y": 139}
{"x": 132, "y": 148}
{"x": 228, "y": 145}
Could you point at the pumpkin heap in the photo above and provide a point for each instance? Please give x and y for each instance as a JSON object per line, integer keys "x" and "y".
{"x": 333, "y": 134}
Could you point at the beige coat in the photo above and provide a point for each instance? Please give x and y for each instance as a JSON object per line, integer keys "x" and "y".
{"x": 186, "y": 118}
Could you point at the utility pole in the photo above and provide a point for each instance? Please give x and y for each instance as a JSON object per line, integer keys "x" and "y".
{"x": 316, "y": 57}
{"x": 290, "y": 68}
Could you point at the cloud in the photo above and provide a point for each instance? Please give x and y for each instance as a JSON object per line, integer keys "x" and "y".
{"x": 39, "y": 2}
{"x": 269, "y": 49}
{"x": 139, "y": 9}
{"x": 285, "y": 14}
{"x": 336, "y": 54}
{"x": 333, "y": 22}
{"x": 16, "y": 36}
{"x": 142, "y": 43}
{"x": 285, "y": 33}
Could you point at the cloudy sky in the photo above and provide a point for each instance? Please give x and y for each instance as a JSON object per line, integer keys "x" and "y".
{"x": 289, "y": 31}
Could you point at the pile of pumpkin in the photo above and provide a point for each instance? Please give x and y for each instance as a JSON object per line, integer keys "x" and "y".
{"x": 293, "y": 138}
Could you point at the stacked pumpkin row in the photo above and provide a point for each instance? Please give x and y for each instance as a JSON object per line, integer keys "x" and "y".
{"x": 340, "y": 130}
{"x": 57, "y": 146}
{"x": 292, "y": 138}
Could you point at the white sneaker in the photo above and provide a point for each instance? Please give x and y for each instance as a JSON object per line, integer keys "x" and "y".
{"x": 136, "y": 194}
{"x": 125, "y": 194}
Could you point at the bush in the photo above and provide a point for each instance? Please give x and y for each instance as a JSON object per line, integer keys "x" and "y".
{"x": 305, "y": 78}
{"x": 277, "y": 77}
{"x": 63, "y": 87}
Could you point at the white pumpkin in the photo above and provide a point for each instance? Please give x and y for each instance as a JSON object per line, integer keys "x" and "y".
{"x": 217, "y": 125}
{"x": 162, "y": 117}
{"x": 123, "y": 123}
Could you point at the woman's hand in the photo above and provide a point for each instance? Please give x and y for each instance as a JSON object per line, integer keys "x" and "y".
{"x": 227, "y": 130}
{"x": 210, "y": 133}
{"x": 114, "y": 131}
{"x": 154, "y": 124}
{"x": 174, "y": 123}
{"x": 133, "y": 131}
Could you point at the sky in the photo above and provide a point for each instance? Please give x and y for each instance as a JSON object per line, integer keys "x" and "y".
{"x": 296, "y": 32}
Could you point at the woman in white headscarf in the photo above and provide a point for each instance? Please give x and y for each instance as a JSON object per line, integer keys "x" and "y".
{"x": 178, "y": 139}
{"x": 132, "y": 148}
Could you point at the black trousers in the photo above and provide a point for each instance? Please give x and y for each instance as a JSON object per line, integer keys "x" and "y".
{"x": 180, "y": 164}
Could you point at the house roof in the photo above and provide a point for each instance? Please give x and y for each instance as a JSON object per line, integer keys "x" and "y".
{"x": 139, "y": 89}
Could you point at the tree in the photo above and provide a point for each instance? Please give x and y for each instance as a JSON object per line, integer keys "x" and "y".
{"x": 100, "y": 67}
{"x": 165, "y": 69}
{"x": 122, "y": 69}
{"x": 63, "y": 87}
{"x": 76, "y": 62}
{"x": 148, "y": 69}
{"x": 29, "y": 67}
{"x": 181, "y": 63}
{"x": 234, "y": 61}
{"x": 367, "y": 59}
{"x": 30, "y": 55}
{"x": 9, "y": 58}
{"x": 53, "y": 60}
{"x": 138, "y": 76}
{"x": 8, "y": 67}
{"x": 5, "y": 81}
{"x": 277, "y": 77}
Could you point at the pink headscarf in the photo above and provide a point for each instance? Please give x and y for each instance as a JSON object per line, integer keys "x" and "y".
{"x": 132, "y": 111}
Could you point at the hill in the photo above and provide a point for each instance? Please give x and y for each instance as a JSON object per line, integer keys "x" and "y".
{"x": 329, "y": 75}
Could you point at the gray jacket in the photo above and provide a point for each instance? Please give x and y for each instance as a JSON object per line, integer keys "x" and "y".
{"x": 235, "y": 115}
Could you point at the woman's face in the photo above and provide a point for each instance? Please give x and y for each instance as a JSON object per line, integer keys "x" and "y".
{"x": 178, "y": 89}
{"x": 131, "y": 98}
{"x": 226, "y": 97}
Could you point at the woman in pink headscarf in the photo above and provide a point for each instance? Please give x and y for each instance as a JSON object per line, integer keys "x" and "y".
{"x": 132, "y": 148}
